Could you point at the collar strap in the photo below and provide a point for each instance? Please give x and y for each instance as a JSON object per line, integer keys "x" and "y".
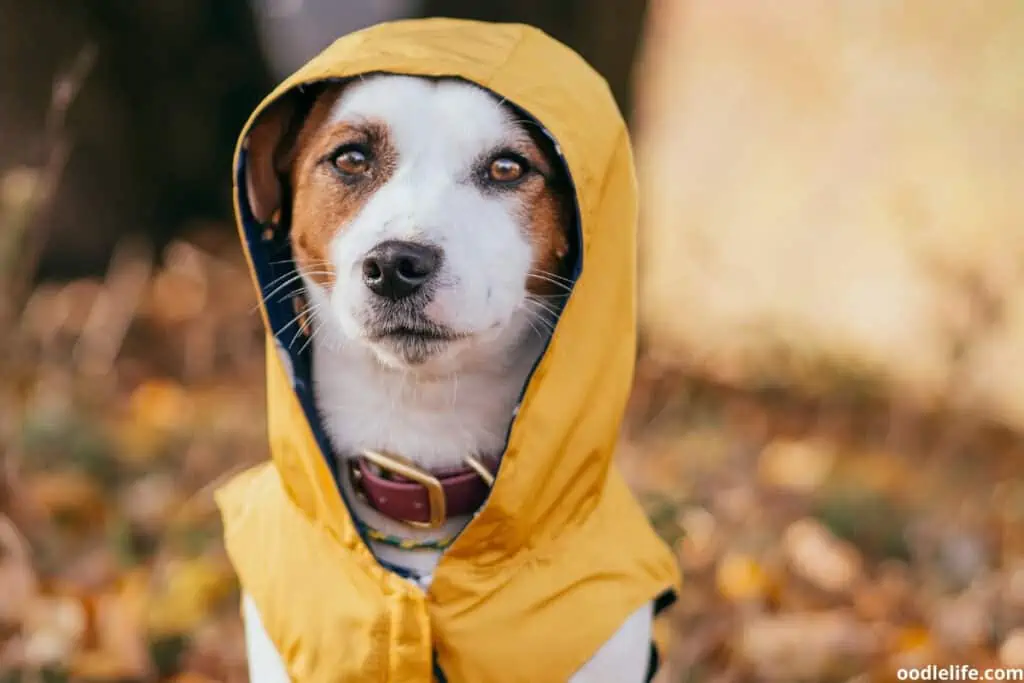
{"x": 401, "y": 490}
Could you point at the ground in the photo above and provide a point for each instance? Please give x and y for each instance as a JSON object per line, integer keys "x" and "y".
{"x": 834, "y": 539}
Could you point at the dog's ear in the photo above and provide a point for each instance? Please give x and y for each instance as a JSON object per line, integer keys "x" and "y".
{"x": 271, "y": 151}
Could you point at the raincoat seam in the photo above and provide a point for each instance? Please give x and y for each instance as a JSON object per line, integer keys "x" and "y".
{"x": 498, "y": 68}
{"x": 607, "y": 171}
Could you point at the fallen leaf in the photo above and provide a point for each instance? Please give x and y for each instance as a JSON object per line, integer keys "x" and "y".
{"x": 699, "y": 544}
{"x": 68, "y": 495}
{"x": 812, "y": 646}
{"x": 913, "y": 647}
{"x": 740, "y": 578}
{"x": 120, "y": 646}
{"x": 17, "y": 576}
{"x": 796, "y": 465}
{"x": 53, "y": 628}
{"x": 149, "y": 501}
{"x": 162, "y": 405}
{"x": 963, "y": 621}
{"x": 821, "y": 558}
{"x": 191, "y": 588}
{"x": 1011, "y": 652}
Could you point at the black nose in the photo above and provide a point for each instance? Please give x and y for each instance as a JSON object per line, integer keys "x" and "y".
{"x": 395, "y": 270}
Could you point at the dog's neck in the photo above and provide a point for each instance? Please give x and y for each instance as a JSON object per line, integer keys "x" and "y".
{"x": 432, "y": 421}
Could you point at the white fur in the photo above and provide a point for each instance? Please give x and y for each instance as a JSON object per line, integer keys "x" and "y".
{"x": 460, "y": 400}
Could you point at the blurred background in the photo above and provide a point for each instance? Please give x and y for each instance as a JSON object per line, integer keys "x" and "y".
{"x": 829, "y": 405}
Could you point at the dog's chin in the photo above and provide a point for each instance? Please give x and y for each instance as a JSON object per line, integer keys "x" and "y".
{"x": 439, "y": 352}
{"x": 422, "y": 348}
{"x": 410, "y": 352}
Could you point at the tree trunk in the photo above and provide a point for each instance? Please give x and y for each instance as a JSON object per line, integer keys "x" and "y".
{"x": 830, "y": 195}
{"x": 154, "y": 126}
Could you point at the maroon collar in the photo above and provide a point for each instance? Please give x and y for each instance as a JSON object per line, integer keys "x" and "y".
{"x": 408, "y": 494}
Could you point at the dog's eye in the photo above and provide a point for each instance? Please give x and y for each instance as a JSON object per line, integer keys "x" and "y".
{"x": 351, "y": 161}
{"x": 506, "y": 169}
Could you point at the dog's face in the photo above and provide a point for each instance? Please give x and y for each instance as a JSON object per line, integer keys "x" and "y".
{"x": 429, "y": 221}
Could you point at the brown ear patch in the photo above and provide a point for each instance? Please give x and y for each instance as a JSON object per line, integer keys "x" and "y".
{"x": 550, "y": 202}
{"x": 288, "y": 172}
{"x": 325, "y": 200}
{"x": 549, "y": 223}
{"x": 270, "y": 149}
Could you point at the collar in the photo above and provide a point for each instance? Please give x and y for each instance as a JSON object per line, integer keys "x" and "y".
{"x": 407, "y": 493}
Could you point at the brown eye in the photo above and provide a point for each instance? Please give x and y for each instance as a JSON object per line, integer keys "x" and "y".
{"x": 352, "y": 162}
{"x": 506, "y": 170}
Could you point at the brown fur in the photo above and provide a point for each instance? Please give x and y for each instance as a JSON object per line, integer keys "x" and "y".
{"x": 547, "y": 196}
{"x": 323, "y": 203}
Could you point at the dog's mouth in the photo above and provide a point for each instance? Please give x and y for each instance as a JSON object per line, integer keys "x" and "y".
{"x": 414, "y": 342}
{"x": 413, "y": 333}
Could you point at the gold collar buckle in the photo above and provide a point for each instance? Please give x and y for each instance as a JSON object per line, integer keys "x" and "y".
{"x": 393, "y": 464}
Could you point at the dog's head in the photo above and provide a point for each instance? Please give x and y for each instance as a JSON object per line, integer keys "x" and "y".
{"x": 429, "y": 220}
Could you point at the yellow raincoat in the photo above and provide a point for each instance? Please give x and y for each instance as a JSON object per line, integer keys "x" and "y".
{"x": 561, "y": 553}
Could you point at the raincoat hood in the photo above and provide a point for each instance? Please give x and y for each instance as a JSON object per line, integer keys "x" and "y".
{"x": 560, "y": 532}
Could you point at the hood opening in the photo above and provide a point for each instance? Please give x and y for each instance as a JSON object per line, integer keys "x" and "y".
{"x": 270, "y": 251}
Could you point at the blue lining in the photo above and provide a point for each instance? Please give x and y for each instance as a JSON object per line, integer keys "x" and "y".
{"x": 661, "y": 603}
{"x": 664, "y": 601}
{"x": 439, "y": 676}
{"x": 272, "y": 259}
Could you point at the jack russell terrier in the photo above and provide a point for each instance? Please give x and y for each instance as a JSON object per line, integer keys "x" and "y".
{"x": 432, "y": 241}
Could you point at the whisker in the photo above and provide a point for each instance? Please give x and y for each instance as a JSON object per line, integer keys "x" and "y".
{"x": 544, "y": 305}
{"x": 316, "y": 262}
{"x": 292, "y": 279}
{"x": 279, "y": 278}
{"x": 533, "y": 315}
{"x": 312, "y": 335}
{"x": 539, "y": 333}
{"x": 305, "y": 325}
{"x": 309, "y": 340}
{"x": 298, "y": 316}
{"x": 554, "y": 275}
{"x": 547, "y": 279}
{"x": 282, "y": 281}
{"x": 299, "y": 271}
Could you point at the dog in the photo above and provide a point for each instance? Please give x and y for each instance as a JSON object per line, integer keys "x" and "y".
{"x": 430, "y": 224}
{"x": 440, "y": 216}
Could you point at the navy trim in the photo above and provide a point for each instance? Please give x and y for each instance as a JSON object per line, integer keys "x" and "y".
{"x": 439, "y": 676}
{"x": 661, "y": 603}
{"x": 400, "y": 571}
{"x": 664, "y": 601}
{"x": 653, "y": 664}
{"x": 270, "y": 251}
